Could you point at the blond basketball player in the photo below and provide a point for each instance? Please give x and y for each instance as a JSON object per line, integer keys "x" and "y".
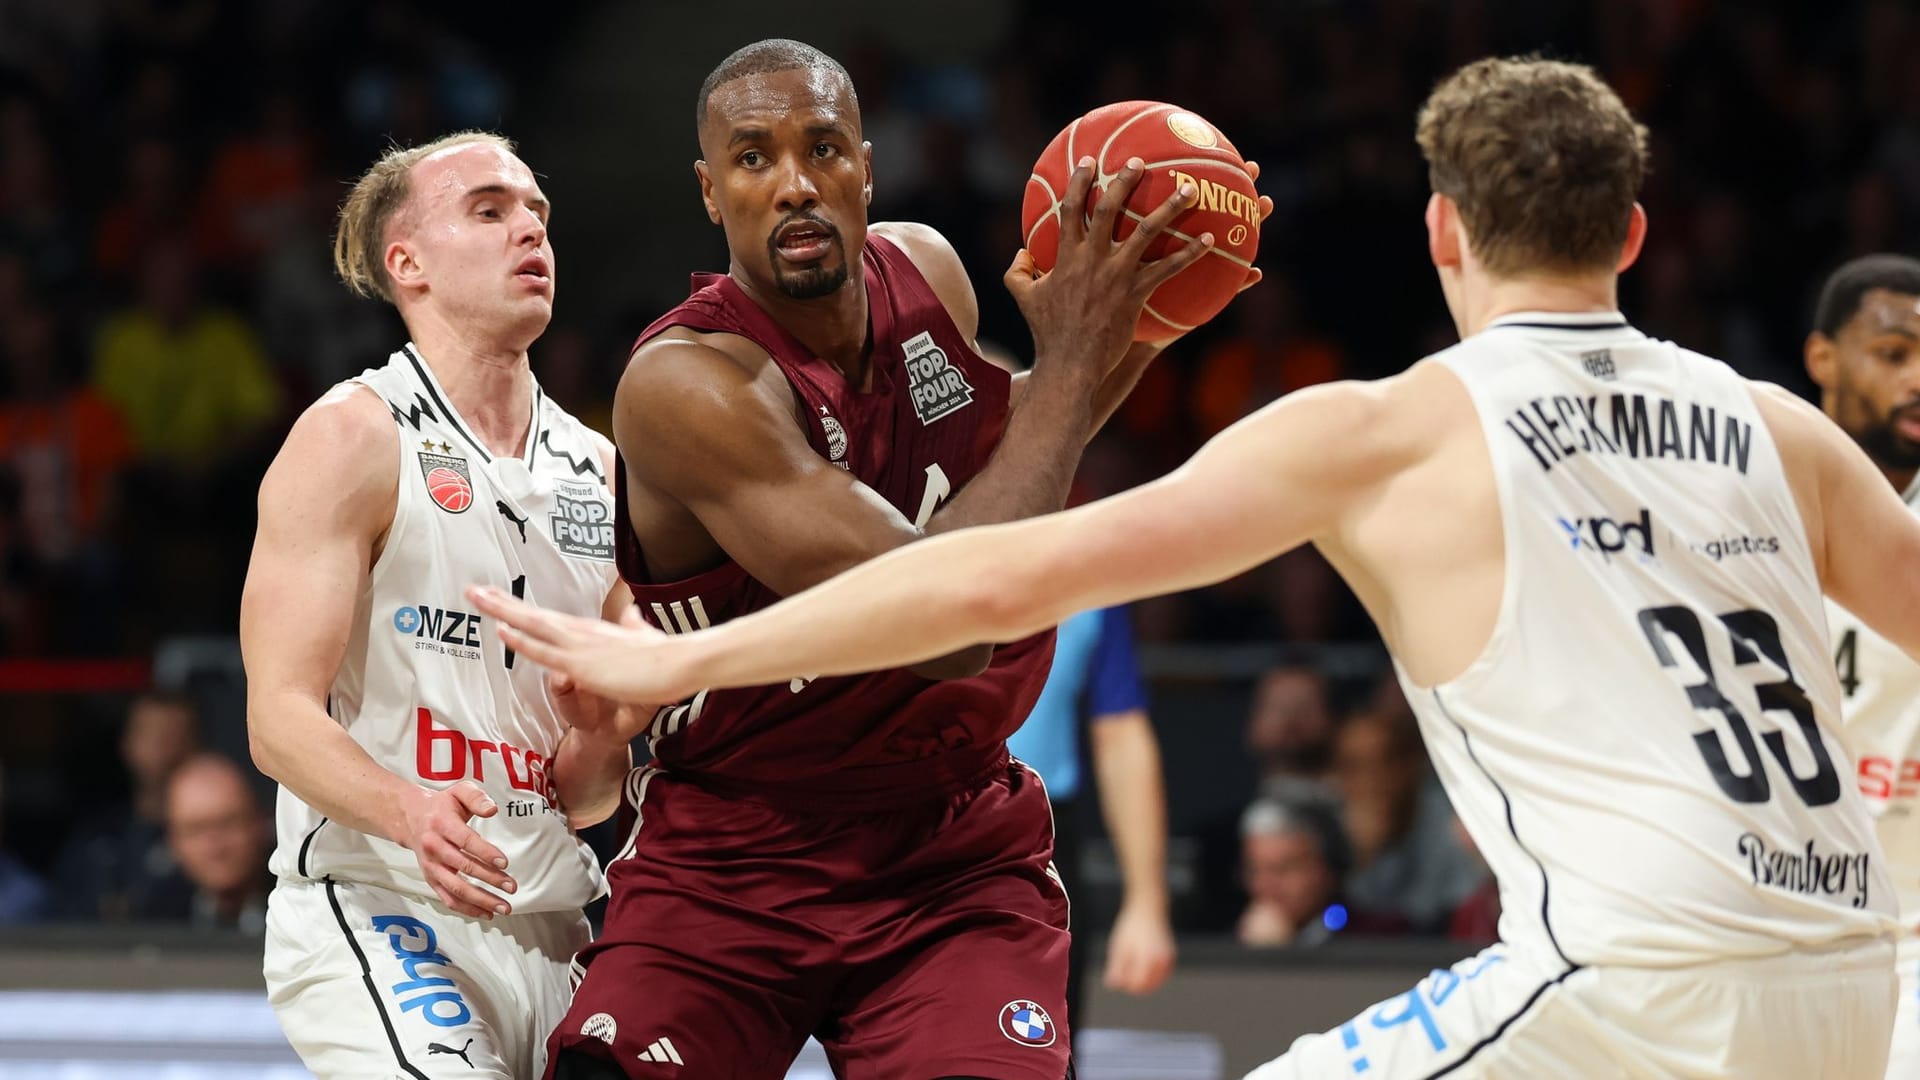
{"x": 1598, "y": 560}
{"x": 430, "y": 880}
{"x": 1864, "y": 352}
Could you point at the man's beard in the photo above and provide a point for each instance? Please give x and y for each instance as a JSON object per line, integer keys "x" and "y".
{"x": 810, "y": 283}
{"x": 1887, "y": 447}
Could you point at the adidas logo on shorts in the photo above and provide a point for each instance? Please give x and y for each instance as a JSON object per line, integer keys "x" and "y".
{"x": 663, "y": 1052}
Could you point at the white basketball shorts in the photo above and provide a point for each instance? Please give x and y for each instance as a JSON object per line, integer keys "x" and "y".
{"x": 1503, "y": 1014}
{"x": 372, "y": 983}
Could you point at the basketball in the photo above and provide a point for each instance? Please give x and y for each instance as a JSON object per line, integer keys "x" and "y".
{"x": 449, "y": 489}
{"x": 1176, "y": 145}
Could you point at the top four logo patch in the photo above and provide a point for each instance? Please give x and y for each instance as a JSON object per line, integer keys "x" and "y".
{"x": 938, "y": 388}
{"x": 448, "y": 480}
{"x": 582, "y": 521}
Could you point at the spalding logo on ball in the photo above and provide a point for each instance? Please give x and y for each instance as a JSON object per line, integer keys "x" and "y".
{"x": 1176, "y": 145}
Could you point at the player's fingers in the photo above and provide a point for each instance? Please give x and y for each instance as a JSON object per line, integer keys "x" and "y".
{"x": 1253, "y": 169}
{"x": 1162, "y": 216}
{"x": 472, "y": 799}
{"x": 462, "y": 836}
{"x": 1073, "y": 205}
{"x": 1253, "y": 278}
{"x": 533, "y": 648}
{"x": 454, "y": 905}
{"x": 1020, "y": 276}
{"x": 1266, "y": 208}
{"x": 1154, "y": 273}
{"x": 471, "y": 899}
{"x": 1107, "y": 210}
{"x": 631, "y": 619}
{"x": 559, "y": 684}
{"x": 522, "y": 616}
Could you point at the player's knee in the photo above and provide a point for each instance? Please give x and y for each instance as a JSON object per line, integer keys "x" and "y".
{"x": 571, "y": 1064}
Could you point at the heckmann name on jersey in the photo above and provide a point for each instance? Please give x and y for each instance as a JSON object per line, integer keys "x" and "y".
{"x": 427, "y": 689}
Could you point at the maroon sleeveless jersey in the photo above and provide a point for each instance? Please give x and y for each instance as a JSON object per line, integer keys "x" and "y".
{"x": 930, "y": 422}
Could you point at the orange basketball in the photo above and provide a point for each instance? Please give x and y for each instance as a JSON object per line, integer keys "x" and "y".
{"x": 1175, "y": 144}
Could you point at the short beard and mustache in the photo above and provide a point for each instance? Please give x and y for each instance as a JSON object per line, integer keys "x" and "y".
{"x": 1887, "y": 447}
{"x": 809, "y": 283}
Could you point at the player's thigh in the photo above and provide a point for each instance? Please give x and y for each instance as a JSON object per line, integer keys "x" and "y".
{"x": 1483, "y": 1017}
{"x": 985, "y": 996}
{"x": 641, "y": 1007}
{"x": 364, "y": 991}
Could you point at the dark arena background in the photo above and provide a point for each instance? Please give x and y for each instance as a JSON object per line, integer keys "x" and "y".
{"x": 169, "y": 175}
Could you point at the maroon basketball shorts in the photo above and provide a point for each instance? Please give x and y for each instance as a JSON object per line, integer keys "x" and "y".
{"x": 914, "y": 943}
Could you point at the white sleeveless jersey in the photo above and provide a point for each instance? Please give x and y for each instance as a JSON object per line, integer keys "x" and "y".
{"x": 427, "y": 689}
{"x": 1880, "y": 700}
{"x": 1647, "y": 751}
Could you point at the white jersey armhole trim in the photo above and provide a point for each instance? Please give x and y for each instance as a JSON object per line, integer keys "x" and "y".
{"x": 396, "y": 529}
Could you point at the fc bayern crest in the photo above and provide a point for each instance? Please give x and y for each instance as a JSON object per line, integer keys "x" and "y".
{"x": 1026, "y": 1023}
{"x": 836, "y": 437}
{"x": 448, "y": 481}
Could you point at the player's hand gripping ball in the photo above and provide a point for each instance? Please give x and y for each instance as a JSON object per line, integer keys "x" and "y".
{"x": 1177, "y": 146}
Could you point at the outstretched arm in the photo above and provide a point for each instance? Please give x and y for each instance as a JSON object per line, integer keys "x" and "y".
{"x": 1281, "y": 477}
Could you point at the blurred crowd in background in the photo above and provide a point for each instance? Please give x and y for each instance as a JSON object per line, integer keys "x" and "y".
{"x": 169, "y": 171}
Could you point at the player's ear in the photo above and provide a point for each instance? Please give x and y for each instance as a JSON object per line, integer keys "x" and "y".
{"x": 866, "y": 163}
{"x": 1443, "y": 233}
{"x": 706, "y": 191}
{"x": 403, "y": 265}
{"x": 1821, "y": 359}
{"x": 1636, "y": 238}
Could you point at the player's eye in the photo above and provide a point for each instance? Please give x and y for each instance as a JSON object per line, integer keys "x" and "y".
{"x": 824, "y": 150}
{"x": 488, "y": 212}
{"x": 753, "y": 159}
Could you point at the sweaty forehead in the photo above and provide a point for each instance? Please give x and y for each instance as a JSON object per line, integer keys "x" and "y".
{"x": 1884, "y": 311}
{"x": 762, "y": 98}
{"x": 453, "y": 172}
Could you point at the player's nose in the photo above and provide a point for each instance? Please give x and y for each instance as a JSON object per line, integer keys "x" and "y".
{"x": 796, "y": 189}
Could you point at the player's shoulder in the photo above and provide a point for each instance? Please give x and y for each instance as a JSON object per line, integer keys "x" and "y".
{"x": 346, "y": 441}
{"x": 934, "y": 256}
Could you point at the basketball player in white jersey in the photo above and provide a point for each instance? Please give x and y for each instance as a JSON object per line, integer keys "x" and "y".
{"x": 430, "y": 880}
{"x": 1864, "y": 352}
{"x": 1598, "y": 561}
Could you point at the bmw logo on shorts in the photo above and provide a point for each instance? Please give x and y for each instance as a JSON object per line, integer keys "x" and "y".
{"x": 1026, "y": 1023}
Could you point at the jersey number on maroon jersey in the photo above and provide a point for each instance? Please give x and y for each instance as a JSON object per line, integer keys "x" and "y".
{"x": 938, "y": 488}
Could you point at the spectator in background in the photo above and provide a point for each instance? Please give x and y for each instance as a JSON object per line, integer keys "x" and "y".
{"x": 1096, "y": 677}
{"x": 67, "y": 447}
{"x": 1290, "y": 734}
{"x": 117, "y": 866}
{"x": 219, "y": 837}
{"x": 1407, "y": 860}
{"x": 190, "y": 378}
{"x": 152, "y": 206}
{"x": 1293, "y": 857}
{"x": 23, "y": 896}
{"x": 1269, "y": 354}
{"x": 256, "y": 188}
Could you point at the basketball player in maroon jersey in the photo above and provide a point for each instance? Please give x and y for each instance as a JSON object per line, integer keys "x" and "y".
{"x": 854, "y": 858}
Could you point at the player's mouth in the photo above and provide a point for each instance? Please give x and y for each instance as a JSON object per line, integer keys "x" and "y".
{"x": 535, "y": 271}
{"x": 803, "y": 240}
{"x": 1907, "y": 423}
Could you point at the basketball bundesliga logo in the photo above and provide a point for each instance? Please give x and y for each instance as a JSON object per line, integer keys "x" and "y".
{"x": 1026, "y": 1023}
{"x": 448, "y": 481}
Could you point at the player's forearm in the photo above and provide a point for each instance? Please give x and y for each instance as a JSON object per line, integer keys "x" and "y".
{"x": 907, "y": 606}
{"x": 295, "y": 742}
{"x": 1120, "y": 383}
{"x": 1032, "y": 468}
{"x": 1133, "y": 803}
{"x": 587, "y": 775}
